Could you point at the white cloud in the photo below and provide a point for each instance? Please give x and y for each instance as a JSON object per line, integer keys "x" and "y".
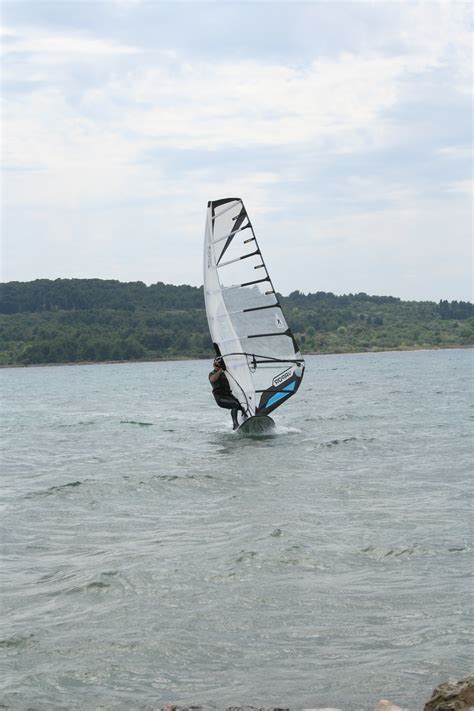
{"x": 455, "y": 152}
{"x": 91, "y": 149}
{"x": 413, "y": 249}
{"x": 49, "y": 46}
{"x": 107, "y": 143}
{"x": 66, "y": 158}
{"x": 441, "y": 32}
{"x": 341, "y": 103}
{"x": 464, "y": 187}
{"x": 251, "y": 103}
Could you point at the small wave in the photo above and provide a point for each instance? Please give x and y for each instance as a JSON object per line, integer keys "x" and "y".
{"x": 87, "y": 423}
{"x": 335, "y": 442}
{"x": 105, "y": 581}
{"x": 135, "y": 422}
{"x": 55, "y": 489}
{"x": 69, "y": 485}
{"x": 182, "y": 477}
{"x": 291, "y": 557}
{"x": 15, "y": 642}
{"x": 344, "y": 488}
{"x": 284, "y": 429}
{"x": 305, "y": 563}
{"x": 246, "y": 556}
{"x": 276, "y": 533}
{"x": 330, "y": 418}
{"x": 381, "y": 552}
{"x": 96, "y": 585}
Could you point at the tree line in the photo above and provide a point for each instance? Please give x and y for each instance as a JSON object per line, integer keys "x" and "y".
{"x": 89, "y": 320}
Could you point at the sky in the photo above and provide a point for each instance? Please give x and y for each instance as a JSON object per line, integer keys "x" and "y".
{"x": 344, "y": 126}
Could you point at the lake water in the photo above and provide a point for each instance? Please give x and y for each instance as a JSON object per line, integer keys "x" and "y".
{"x": 151, "y": 555}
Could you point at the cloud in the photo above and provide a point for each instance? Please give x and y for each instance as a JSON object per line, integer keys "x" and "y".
{"x": 86, "y": 143}
{"x": 455, "y": 152}
{"x": 402, "y": 249}
{"x": 250, "y": 103}
{"x": 91, "y": 148}
{"x": 52, "y": 46}
{"x": 117, "y": 133}
{"x": 345, "y": 103}
{"x": 464, "y": 187}
{"x": 441, "y": 32}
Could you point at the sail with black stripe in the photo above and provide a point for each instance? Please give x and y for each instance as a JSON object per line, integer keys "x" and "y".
{"x": 264, "y": 364}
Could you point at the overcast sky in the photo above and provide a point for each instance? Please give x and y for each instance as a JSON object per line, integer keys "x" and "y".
{"x": 344, "y": 126}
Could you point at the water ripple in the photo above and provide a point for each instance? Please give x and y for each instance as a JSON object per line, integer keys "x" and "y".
{"x": 171, "y": 560}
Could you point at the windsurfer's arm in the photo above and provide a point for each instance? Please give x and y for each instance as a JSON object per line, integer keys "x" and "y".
{"x": 215, "y": 375}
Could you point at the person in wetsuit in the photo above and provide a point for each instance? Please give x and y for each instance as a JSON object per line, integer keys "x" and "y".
{"x": 222, "y": 392}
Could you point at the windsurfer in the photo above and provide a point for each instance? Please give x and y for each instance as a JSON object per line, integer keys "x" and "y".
{"x": 222, "y": 392}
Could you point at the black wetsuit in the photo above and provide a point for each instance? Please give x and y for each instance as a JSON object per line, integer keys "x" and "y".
{"x": 224, "y": 398}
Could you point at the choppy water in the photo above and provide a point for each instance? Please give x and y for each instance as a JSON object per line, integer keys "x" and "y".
{"x": 151, "y": 555}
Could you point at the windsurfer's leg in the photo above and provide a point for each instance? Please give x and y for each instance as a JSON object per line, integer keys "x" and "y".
{"x": 229, "y": 402}
{"x": 241, "y": 409}
{"x": 235, "y": 421}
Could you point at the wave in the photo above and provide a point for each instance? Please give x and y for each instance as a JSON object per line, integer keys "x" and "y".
{"x": 407, "y": 551}
{"x": 181, "y": 477}
{"x": 135, "y": 422}
{"x": 86, "y": 423}
{"x": 55, "y": 489}
{"x": 17, "y": 642}
{"x": 334, "y": 442}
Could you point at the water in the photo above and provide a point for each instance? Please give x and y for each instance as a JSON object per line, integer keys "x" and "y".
{"x": 151, "y": 555}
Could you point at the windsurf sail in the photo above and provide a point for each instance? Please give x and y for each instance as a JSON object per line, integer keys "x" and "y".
{"x": 263, "y": 362}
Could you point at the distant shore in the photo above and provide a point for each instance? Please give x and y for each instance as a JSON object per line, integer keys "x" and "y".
{"x": 78, "y": 321}
{"x": 171, "y": 359}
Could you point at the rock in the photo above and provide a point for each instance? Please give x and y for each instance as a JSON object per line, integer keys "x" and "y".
{"x": 326, "y": 708}
{"x": 385, "y": 705}
{"x": 256, "y": 708}
{"x": 173, "y": 707}
{"x": 452, "y": 696}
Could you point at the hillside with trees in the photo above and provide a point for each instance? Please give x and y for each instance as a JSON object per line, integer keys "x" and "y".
{"x": 90, "y": 320}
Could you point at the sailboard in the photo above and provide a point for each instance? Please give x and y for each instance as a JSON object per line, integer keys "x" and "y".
{"x": 264, "y": 365}
{"x": 256, "y": 426}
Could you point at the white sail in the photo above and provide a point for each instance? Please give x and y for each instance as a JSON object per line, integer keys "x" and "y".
{"x": 248, "y": 328}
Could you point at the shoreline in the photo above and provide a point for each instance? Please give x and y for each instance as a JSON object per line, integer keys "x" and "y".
{"x": 448, "y": 695}
{"x": 172, "y": 359}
